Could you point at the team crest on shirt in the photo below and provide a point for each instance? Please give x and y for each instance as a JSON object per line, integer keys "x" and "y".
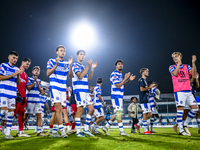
{"x": 57, "y": 98}
{"x": 4, "y": 102}
{"x": 181, "y": 102}
{"x": 65, "y": 67}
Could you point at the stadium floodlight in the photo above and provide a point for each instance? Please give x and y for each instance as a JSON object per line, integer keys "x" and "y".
{"x": 83, "y": 36}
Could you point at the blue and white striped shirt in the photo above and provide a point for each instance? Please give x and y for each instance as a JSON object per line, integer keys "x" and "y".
{"x": 79, "y": 85}
{"x": 152, "y": 94}
{"x": 58, "y": 79}
{"x": 8, "y": 88}
{"x": 43, "y": 100}
{"x": 33, "y": 94}
{"x": 116, "y": 77}
{"x": 97, "y": 102}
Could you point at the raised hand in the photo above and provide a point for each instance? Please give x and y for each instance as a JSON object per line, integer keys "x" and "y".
{"x": 127, "y": 75}
{"x": 179, "y": 59}
{"x": 94, "y": 64}
{"x": 38, "y": 84}
{"x": 57, "y": 61}
{"x": 194, "y": 58}
{"x": 70, "y": 60}
{"x": 152, "y": 85}
{"x": 89, "y": 62}
{"x": 132, "y": 77}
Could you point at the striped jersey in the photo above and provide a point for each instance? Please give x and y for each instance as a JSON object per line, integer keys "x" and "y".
{"x": 116, "y": 77}
{"x": 8, "y": 88}
{"x": 97, "y": 102}
{"x": 58, "y": 79}
{"x": 43, "y": 100}
{"x": 33, "y": 94}
{"x": 152, "y": 94}
{"x": 79, "y": 85}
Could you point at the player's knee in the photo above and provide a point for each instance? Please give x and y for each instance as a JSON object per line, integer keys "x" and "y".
{"x": 195, "y": 110}
{"x": 4, "y": 112}
{"x": 11, "y": 113}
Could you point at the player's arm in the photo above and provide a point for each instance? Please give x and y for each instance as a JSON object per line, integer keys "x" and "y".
{"x": 101, "y": 99}
{"x": 143, "y": 88}
{"x": 40, "y": 88}
{"x": 47, "y": 107}
{"x": 126, "y": 76}
{"x": 94, "y": 65}
{"x": 18, "y": 72}
{"x": 175, "y": 72}
{"x": 194, "y": 68}
{"x": 132, "y": 77}
{"x": 29, "y": 87}
{"x": 197, "y": 81}
{"x": 82, "y": 74}
{"x": 70, "y": 66}
{"x": 50, "y": 71}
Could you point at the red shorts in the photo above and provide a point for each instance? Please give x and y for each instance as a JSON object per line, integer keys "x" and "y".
{"x": 52, "y": 108}
{"x": 21, "y": 107}
{"x": 74, "y": 108}
{"x": 64, "y": 107}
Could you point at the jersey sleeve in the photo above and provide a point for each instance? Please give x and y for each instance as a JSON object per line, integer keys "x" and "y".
{"x": 50, "y": 64}
{"x": 141, "y": 83}
{"x": 29, "y": 82}
{"x": 76, "y": 68}
{"x": 115, "y": 79}
{"x": 171, "y": 68}
{"x": 98, "y": 91}
{"x": 2, "y": 71}
{"x": 189, "y": 68}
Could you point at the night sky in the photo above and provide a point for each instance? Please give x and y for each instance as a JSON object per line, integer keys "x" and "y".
{"x": 143, "y": 33}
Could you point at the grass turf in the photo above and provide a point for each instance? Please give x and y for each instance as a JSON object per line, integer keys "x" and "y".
{"x": 166, "y": 138}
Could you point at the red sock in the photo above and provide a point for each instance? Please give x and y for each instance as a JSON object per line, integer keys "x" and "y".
{"x": 67, "y": 124}
{"x": 50, "y": 126}
{"x": 73, "y": 125}
{"x": 21, "y": 120}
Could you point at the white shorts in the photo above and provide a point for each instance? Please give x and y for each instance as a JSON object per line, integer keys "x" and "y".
{"x": 83, "y": 99}
{"x": 98, "y": 112}
{"x": 8, "y": 102}
{"x": 146, "y": 108}
{"x": 58, "y": 97}
{"x": 117, "y": 104}
{"x": 154, "y": 110}
{"x": 33, "y": 108}
{"x": 184, "y": 99}
{"x": 69, "y": 110}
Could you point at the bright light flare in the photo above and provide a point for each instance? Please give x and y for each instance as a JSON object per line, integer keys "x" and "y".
{"x": 83, "y": 36}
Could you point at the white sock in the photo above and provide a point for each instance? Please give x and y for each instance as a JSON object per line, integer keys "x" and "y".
{"x": 109, "y": 123}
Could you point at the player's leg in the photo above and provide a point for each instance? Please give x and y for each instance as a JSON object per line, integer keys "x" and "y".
{"x": 180, "y": 100}
{"x": 21, "y": 125}
{"x": 198, "y": 120}
{"x": 88, "y": 119}
{"x": 194, "y": 109}
{"x": 10, "y": 115}
{"x": 51, "y": 120}
{"x": 146, "y": 115}
{"x": 152, "y": 123}
{"x": 74, "y": 110}
{"x": 66, "y": 118}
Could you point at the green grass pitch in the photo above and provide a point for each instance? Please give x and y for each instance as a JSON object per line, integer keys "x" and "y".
{"x": 166, "y": 138}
